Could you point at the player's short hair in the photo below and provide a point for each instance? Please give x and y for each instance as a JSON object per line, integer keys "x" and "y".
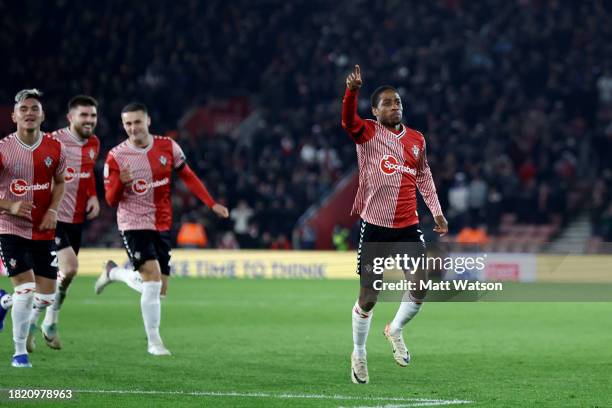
{"x": 135, "y": 107}
{"x": 82, "y": 100}
{"x": 27, "y": 94}
{"x": 375, "y": 98}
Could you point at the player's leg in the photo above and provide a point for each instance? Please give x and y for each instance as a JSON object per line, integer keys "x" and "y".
{"x": 111, "y": 272}
{"x": 412, "y": 300}
{"x": 45, "y": 270}
{"x": 150, "y": 304}
{"x": 362, "y": 311}
{"x": 67, "y": 254}
{"x": 24, "y": 288}
{"x": 68, "y": 242}
{"x": 141, "y": 248}
{"x": 16, "y": 257}
{"x": 163, "y": 247}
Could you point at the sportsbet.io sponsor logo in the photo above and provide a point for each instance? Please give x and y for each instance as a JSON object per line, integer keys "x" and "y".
{"x": 20, "y": 187}
{"x": 389, "y": 165}
{"x": 140, "y": 186}
{"x": 71, "y": 174}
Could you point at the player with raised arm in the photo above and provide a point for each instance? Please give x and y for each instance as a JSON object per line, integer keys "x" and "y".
{"x": 137, "y": 179}
{"x": 80, "y": 202}
{"x": 32, "y": 167}
{"x": 392, "y": 165}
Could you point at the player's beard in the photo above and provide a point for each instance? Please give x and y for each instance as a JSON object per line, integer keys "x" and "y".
{"x": 85, "y": 134}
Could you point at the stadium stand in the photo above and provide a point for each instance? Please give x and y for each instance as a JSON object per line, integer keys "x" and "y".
{"x": 514, "y": 98}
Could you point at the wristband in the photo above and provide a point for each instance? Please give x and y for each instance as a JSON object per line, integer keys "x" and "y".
{"x": 52, "y": 210}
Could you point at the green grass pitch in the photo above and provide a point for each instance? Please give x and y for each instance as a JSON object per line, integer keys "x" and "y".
{"x": 279, "y": 343}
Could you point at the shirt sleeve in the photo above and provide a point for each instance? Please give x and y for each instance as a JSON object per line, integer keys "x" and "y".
{"x": 195, "y": 185}
{"x": 358, "y": 129}
{"x": 426, "y": 186}
{"x": 178, "y": 157}
{"x": 113, "y": 188}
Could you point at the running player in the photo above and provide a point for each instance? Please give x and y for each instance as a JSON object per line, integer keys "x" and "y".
{"x": 137, "y": 179}
{"x": 392, "y": 165}
{"x": 32, "y": 168}
{"x": 80, "y": 202}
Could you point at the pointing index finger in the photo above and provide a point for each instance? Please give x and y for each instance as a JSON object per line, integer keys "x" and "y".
{"x": 357, "y": 70}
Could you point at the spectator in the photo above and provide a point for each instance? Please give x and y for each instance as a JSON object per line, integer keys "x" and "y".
{"x": 191, "y": 235}
{"x": 241, "y": 215}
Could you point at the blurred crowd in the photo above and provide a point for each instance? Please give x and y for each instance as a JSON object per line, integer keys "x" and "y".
{"x": 514, "y": 97}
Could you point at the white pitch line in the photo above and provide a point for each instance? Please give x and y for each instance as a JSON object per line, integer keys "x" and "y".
{"x": 416, "y": 402}
{"x": 432, "y": 403}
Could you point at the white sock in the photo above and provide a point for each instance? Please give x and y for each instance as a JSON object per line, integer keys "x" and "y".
{"x": 41, "y": 302}
{"x": 405, "y": 313}
{"x": 151, "y": 309}
{"x": 22, "y": 306}
{"x": 361, "y": 327}
{"x": 6, "y": 301}
{"x": 127, "y": 276}
{"x": 52, "y": 313}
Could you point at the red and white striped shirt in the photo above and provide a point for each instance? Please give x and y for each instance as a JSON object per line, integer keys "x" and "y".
{"x": 26, "y": 174}
{"x": 391, "y": 167}
{"x": 80, "y": 183}
{"x": 145, "y": 204}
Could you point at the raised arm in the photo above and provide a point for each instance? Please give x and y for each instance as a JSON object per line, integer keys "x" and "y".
{"x": 358, "y": 129}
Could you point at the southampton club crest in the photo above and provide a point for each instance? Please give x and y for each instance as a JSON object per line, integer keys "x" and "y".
{"x": 92, "y": 154}
{"x": 13, "y": 263}
{"x": 415, "y": 151}
{"x": 163, "y": 160}
{"x": 48, "y": 161}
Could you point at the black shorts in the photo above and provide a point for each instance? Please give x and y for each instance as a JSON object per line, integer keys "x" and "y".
{"x": 146, "y": 245}
{"x": 386, "y": 242}
{"x": 68, "y": 235}
{"x": 20, "y": 254}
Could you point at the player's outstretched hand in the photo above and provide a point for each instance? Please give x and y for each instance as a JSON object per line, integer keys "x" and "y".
{"x": 353, "y": 80}
{"x": 220, "y": 210}
{"x": 441, "y": 225}
{"x": 22, "y": 209}
{"x": 49, "y": 220}
{"x": 126, "y": 176}
{"x": 93, "y": 208}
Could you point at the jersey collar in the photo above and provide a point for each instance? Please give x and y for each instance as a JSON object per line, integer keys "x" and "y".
{"x": 28, "y": 147}
{"x": 141, "y": 149}
{"x": 76, "y": 139}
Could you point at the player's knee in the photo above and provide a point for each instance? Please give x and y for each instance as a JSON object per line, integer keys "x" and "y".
{"x": 24, "y": 291}
{"x": 417, "y": 296}
{"x": 367, "y": 306}
{"x": 150, "y": 271}
{"x": 70, "y": 272}
{"x": 43, "y": 300}
{"x": 367, "y": 300}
